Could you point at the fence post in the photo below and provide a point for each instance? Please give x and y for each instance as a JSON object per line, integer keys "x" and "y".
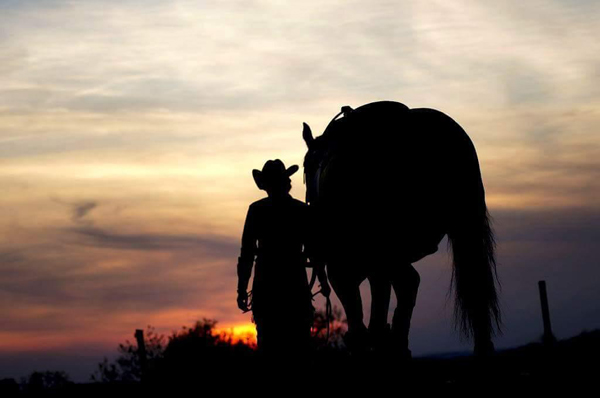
{"x": 139, "y": 336}
{"x": 548, "y": 338}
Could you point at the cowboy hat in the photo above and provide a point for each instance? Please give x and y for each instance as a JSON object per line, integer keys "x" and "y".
{"x": 272, "y": 172}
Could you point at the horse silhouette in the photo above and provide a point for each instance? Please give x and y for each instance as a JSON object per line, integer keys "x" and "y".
{"x": 387, "y": 184}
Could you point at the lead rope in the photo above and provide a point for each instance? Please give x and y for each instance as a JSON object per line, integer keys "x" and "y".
{"x": 345, "y": 111}
{"x": 328, "y": 312}
{"x": 250, "y": 299}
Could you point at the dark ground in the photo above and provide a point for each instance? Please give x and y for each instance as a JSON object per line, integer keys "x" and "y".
{"x": 566, "y": 366}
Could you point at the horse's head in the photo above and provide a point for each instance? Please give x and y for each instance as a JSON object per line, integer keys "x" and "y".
{"x": 319, "y": 150}
{"x": 313, "y": 160}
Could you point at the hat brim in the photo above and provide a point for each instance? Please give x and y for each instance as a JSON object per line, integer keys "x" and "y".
{"x": 291, "y": 170}
{"x": 258, "y": 177}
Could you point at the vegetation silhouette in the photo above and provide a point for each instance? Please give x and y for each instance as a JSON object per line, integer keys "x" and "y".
{"x": 533, "y": 368}
{"x": 126, "y": 367}
{"x": 45, "y": 382}
{"x": 328, "y": 329}
{"x": 202, "y": 350}
{"x": 387, "y": 183}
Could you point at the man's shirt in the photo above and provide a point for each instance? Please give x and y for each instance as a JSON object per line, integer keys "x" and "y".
{"x": 277, "y": 232}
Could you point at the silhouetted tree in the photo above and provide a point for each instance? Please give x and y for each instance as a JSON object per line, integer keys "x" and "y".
{"x": 44, "y": 381}
{"x": 126, "y": 368}
{"x": 8, "y": 387}
{"x": 188, "y": 351}
{"x": 201, "y": 350}
{"x": 337, "y": 327}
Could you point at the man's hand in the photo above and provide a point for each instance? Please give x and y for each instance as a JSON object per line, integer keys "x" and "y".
{"x": 242, "y": 301}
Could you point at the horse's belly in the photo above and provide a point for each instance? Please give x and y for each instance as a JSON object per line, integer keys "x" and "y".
{"x": 405, "y": 236}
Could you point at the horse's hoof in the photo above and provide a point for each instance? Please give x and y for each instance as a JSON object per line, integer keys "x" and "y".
{"x": 380, "y": 340}
{"x": 400, "y": 352}
{"x": 484, "y": 350}
{"x": 405, "y": 355}
{"x": 357, "y": 342}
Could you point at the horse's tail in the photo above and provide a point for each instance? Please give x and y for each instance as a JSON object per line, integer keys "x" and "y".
{"x": 471, "y": 240}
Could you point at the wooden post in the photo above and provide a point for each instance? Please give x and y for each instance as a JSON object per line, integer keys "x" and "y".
{"x": 548, "y": 338}
{"x": 139, "y": 336}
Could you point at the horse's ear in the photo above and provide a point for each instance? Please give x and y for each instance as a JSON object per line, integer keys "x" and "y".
{"x": 307, "y": 134}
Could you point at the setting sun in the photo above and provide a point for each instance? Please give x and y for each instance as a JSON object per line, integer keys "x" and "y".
{"x": 245, "y": 333}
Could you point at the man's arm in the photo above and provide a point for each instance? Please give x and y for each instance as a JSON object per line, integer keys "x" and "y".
{"x": 246, "y": 259}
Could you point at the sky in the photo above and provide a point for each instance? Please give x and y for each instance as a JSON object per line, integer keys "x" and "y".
{"x": 129, "y": 129}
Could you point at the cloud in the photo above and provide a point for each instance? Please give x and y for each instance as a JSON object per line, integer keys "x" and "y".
{"x": 89, "y": 235}
{"x": 113, "y": 278}
{"x": 82, "y": 209}
{"x": 208, "y": 57}
{"x": 79, "y": 209}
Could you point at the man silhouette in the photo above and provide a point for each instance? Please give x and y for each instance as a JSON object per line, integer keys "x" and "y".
{"x": 277, "y": 232}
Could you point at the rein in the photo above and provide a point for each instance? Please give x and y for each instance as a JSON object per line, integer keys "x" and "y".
{"x": 328, "y": 313}
{"x": 328, "y": 309}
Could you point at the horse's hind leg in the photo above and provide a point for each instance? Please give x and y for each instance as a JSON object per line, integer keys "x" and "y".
{"x": 405, "y": 281}
{"x": 380, "y": 304}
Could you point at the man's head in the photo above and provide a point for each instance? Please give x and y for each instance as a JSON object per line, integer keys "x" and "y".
{"x": 274, "y": 177}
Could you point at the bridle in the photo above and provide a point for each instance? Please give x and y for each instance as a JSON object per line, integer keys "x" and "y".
{"x": 345, "y": 111}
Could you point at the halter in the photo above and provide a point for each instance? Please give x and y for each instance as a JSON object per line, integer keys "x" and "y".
{"x": 345, "y": 111}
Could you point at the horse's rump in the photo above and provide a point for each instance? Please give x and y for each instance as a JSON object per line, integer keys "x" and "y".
{"x": 385, "y": 184}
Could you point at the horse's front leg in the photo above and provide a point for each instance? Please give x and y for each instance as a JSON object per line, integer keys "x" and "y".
{"x": 346, "y": 287}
